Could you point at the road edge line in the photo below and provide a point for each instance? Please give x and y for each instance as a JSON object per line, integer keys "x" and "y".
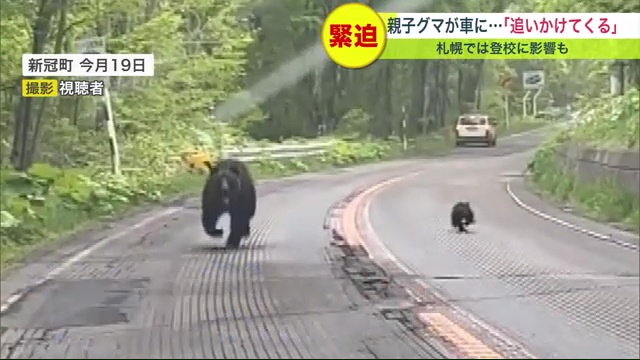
{"x": 358, "y": 207}
{"x": 18, "y": 295}
{"x": 569, "y": 225}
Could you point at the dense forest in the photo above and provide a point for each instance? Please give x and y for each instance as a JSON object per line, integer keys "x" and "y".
{"x": 259, "y": 65}
{"x": 206, "y": 51}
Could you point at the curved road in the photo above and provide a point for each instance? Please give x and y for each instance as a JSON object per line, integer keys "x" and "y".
{"x": 154, "y": 286}
{"x": 559, "y": 293}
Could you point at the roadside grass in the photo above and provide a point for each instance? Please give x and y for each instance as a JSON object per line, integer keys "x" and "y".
{"x": 519, "y": 125}
{"x": 604, "y": 124}
{"x": 609, "y": 123}
{"x": 601, "y": 201}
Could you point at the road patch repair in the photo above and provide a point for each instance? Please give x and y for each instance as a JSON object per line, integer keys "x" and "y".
{"x": 19, "y": 294}
{"x": 401, "y": 292}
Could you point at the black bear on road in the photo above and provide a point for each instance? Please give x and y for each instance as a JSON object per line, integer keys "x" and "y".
{"x": 462, "y": 216}
{"x": 229, "y": 189}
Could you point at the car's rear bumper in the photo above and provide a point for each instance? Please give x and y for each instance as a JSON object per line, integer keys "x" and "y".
{"x": 472, "y": 139}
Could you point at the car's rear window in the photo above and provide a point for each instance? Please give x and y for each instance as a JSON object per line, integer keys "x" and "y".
{"x": 472, "y": 120}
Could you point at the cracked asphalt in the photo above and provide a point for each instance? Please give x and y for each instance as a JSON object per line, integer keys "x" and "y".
{"x": 559, "y": 293}
{"x": 166, "y": 290}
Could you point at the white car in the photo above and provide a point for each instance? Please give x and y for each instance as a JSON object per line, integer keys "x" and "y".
{"x": 476, "y": 128}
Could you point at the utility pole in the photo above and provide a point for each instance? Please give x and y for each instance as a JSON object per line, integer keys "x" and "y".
{"x": 97, "y": 45}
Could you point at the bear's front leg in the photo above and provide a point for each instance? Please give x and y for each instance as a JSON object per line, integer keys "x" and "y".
{"x": 236, "y": 233}
{"x": 246, "y": 226}
{"x": 210, "y": 222}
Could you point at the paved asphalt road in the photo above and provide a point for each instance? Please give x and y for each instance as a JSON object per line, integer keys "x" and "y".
{"x": 164, "y": 290}
{"x": 559, "y": 293}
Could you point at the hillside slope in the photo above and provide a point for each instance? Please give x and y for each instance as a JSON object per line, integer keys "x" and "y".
{"x": 605, "y": 124}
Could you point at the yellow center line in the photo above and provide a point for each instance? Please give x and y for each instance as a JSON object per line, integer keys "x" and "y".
{"x": 455, "y": 335}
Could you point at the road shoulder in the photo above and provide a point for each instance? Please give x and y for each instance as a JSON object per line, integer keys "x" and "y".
{"x": 166, "y": 290}
{"x": 38, "y": 265}
{"x": 527, "y": 198}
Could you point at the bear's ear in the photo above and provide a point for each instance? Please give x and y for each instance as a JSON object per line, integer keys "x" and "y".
{"x": 209, "y": 166}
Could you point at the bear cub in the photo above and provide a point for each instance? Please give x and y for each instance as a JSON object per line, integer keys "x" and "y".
{"x": 462, "y": 216}
{"x": 229, "y": 189}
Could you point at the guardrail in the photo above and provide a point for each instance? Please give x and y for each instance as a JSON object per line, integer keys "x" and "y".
{"x": 195, "y": 160}
{"x": 284, "y": 151}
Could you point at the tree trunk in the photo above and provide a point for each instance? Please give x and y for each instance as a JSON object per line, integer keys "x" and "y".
{"x": 415, "y": 112}
{"x": 479, "y": 82}
{"x": 21, "y": 156}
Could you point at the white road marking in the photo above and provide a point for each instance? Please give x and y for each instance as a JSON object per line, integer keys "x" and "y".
{"x": 14, "y": 298}
{"x": 566, "y": 224}
{"x": 386, "y": 254}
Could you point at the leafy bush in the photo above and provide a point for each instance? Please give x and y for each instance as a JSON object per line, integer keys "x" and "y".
{"x": 354, "y": 124}
{"x": 607, "y": 122}
{"x": 345, "y": 152}
{"x": 601, "y": 200}
{"x": 65, "y": 192}
{"x": 36, "y": 203}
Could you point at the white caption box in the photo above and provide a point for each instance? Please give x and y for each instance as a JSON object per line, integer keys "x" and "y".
{"x": 89, "y": 65}
{"x": 515, "y": 26}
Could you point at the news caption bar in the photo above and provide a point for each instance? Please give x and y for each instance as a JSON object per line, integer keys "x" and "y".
{"x": 518, "y": 26}
{"x": 87, "y": 65}
{"x": 516, "y": 36}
